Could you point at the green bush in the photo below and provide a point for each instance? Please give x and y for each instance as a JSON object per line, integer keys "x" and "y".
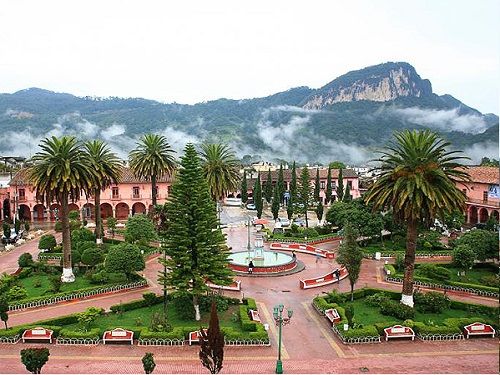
{"x": 399, "y": 262}
{"x": 396, "y": 309}
{"x": 94, "y": 333}
{"x": 176, "y": 333}
{"x": 475, "y": 308}
{"x": 150, "y": 298}
{"x": 47, "y": 242}
{"x": 433, "y": 271}
{"x": 474, "y": 286}
{"x": 425, "y": 329}
{"x": 431, "y": 302}
{"x": 376, "y": 299}
{"x": 183, "y": 306}
{"x": 310, "y": 233}
{"x": 16, "y": 293}
{"x": 246, "y": 323}
{"x": 137, "y": 304}
{"x": 25, "y": 260}
{"x": 259, "y": 334}
{"x": 82, "y": 235}
{"x": 365, "y": 331}
{"x": 251, "y": 304}
{"x": 391, "y": 269}
{"x": 58, "y": 226}
{"x": 491, "y": 281}
{"x": 321, "y": 304}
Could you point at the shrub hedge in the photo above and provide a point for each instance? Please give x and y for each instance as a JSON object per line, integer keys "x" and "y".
{"x": 94, "y": 333}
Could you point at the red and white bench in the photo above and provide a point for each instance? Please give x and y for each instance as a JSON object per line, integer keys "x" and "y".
{"x": 37, "y": 334}
{"x": 306, "y": 249}
{"x": 118, "y": 335}
{"x": 476, "y": 329}
{"x": 194, "y": 337}
{"x": 254, "y": 315}
{"x": 234, "y": 286}
{"x": 333, "y": 316}
{"x": 398, "y": 331}
{"x": 327, "y": 279}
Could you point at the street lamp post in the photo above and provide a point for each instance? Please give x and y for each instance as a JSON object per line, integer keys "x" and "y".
{"x": 280, "y": 321}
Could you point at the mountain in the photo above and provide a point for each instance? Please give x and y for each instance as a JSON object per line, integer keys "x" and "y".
{"x": 346, "y": 119}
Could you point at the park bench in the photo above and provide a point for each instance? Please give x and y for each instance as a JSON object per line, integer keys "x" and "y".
{"x": 333, "y": 316}
{"x": 37, "y": 334}
{"x": 327, "y": 279}
{"x": 478, "y": 329}
{"x": 234, "y": 286}
{"x": 118, "y": 335}
{"x": 194, "y": 337}
{"x": 398, "y": 331}
{"x": 254, "y": 315}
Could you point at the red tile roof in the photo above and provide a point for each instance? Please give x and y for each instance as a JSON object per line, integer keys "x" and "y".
{"x": 485, "y": 175}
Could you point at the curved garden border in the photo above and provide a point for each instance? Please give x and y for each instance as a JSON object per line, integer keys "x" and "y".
{"x": 50, "y": 300}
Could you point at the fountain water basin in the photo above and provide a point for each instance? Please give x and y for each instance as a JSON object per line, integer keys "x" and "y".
{"x": 270, "y": 262}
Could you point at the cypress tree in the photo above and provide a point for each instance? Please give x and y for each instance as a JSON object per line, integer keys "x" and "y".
{"x": 289, "y": 209}
{"x": 340, "y": 187}
{"x": 317, "y": 187}
{"x": 304, "y": 192}
{"x": 329, "y": 191}
{"x": 276, "y": 203}
{"x": 347, "y": 194}
{"x": 212, "y": 344}
{"x": 281, "y": 183}
{"x": 244, "y": 188}
{"x": 293, "y": 183}
{"x": 319, "y": 211}
{"x": 257, "y": 196}
{"x": 194, "y": 243}
{"x": 268, "y": 189}
{"x": 350, "y": 255}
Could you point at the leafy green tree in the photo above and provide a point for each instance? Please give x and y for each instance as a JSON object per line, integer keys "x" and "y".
{"x": 148, "y": 363}
{"x": 4, "y": 310}
{"x": 275, "y": 208}
{"x": 82, "y": 235}
{"x": 92, "y": 257}
{"x": 140, "y": 230}
{"x": 152, "y": 159}
{"x": 60, "y": 171}
{"x": 34, "y": 359}
{"x": 293, "y": 183}
{"x": 25, "y": 260}
{"x": 319, "y": 211}
{"x": 463, "y": 257}
{"x": 304, "y": 193}
{"x": 418, "y": 178}
{"x": 350, "y": 256}
{"x": 220, "y": 169}
{"x": 244, "y": 188}
{"x": 111, "y": 223}
{"x": 212, "y": 343}
{"x": 487, "y": 162}
{"x": 107, "y": 170}
{"x": 268, "y": 189}
{"x": 317, "y": 187}
{"x": 454, "y": 219}
{"x": 491, "y": 224}
{"x": 347, "y": 194}
{"x": 257, "y": 196}
{"x": 124, "y": 258}
{"x": 195, "y": 245}
{"x": 329, "y": 190}
{"x": 290, "y": 209}
{"x": 87, "y": 317}
{"x": 281, "y": 183}
{"x": 340, "y": 186}
{"x": 17, "y": 226}
{"x": 337, "y": 165}
{"x": 483, "y": 242}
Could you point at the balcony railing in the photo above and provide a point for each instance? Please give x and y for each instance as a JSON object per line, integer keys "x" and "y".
{"x": 489, "y": 202}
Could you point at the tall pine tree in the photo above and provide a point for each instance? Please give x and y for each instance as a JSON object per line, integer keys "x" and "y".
{"x": 276, "y": 203}
{"x": 304, "y": 193}
{"x": 281, "y": 183}
{"x": 293, "y": 183}
{"x": 196, "y": 247}
{"x": 340, "y": 187}
{"x": 244, "y": 188}
{"x": 347, "y": 193}
{"x": 329, "y": 191}
{"x": 268, "y": 189}
{"x": 317, "y": 186}
{"x": 257, "y": 196}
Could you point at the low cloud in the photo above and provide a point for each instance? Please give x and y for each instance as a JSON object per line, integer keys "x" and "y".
{"x": 479, "y": 150}
{"x": 442, "y": 120}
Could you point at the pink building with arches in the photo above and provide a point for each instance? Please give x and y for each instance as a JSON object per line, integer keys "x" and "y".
{"x": 131, "y": 196}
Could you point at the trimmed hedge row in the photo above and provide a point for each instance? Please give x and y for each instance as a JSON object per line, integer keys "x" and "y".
{"x": 248, "y": 324}
{"x": 137, "y": 304}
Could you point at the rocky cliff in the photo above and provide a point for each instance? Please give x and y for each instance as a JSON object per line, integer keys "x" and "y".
{"x": 379, "y": 83}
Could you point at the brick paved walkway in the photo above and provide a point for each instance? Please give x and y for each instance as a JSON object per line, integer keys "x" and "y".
{"x": 309, "y": 345}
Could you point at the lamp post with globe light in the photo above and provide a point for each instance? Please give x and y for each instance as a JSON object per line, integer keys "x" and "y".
{"x": 280, "y": 321}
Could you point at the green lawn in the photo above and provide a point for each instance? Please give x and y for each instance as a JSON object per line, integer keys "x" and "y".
{"x": 474, "y": 275}
{"x": 142, "y": 317}
{"x": 28, "y": 283}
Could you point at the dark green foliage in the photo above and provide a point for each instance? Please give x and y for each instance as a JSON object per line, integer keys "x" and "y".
{"x": 194, "y": 243}
{"x": 349, "y": 313}
{"x": 55, "y": 283}
{"x": 276, "y": 203}
{"x": 347, "y": 193}
{"x": 47, "y": 241}
{"x": 317, "y": 187}
{"x": 92, "y": 257}
{"x": 124, "y": 258}
{"x": 268, "y": 190}
{"x": 340, "y": 186}
{"x": 246, "y": 323}
{"x": 244, "y": 188}
{"x": 281, "y": 183}
{"x": 183, "y": 305}
{"x": 149, "y": 298}
{"x": 463, "y": 257}
{"x": 293, "y": 183}
{"x": 336, "y": 165}
{"x": 4, "y": 310}
{"x": 25, "y": 260}
{"x": 257, "y": 196}
{"x": 483, "y": 242}
{"x": 396, "y": 309}
{"x": 329, "y": 190}
{"x": 251, "y": 304}
{"x": 487, "y": 162}
{"x": 17, "y": 226}
{"x": 376, "y": 299}
{"x": 140, "y": 230}
{"x": 350, "y": 255}
{"x": 319, "y": 211}
{"x": 212, "y": 344}
{"x": 454, "y": 219}
{"x": 16, "y": 293}
{"x": 34, "y": 359}
{"x": 82, "y": 235}
{"x": 433, "y": 271}
{"x": 431, "y": 302}
{"x": 137, "y": 304}
{"x": 429, "y": 241}
{"x": 148, "y": 363}
{"x": 58, "y": 226}
{"x": 289, "y": 209}
{"x": 6, "y": 229}
{"x": 304, "y": 193}
{"x": 399, "y": 263}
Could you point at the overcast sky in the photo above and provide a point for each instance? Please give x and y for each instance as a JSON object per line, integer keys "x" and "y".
{"x": 192, "y": 51}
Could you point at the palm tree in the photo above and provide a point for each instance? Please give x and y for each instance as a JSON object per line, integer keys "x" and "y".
{"x": 417, "y": 177}
{"x": 107, "y": 170}
{"x": 60, "y": 171}
{"x": 221, "y": 170}
{"x": 152, "y": 159}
